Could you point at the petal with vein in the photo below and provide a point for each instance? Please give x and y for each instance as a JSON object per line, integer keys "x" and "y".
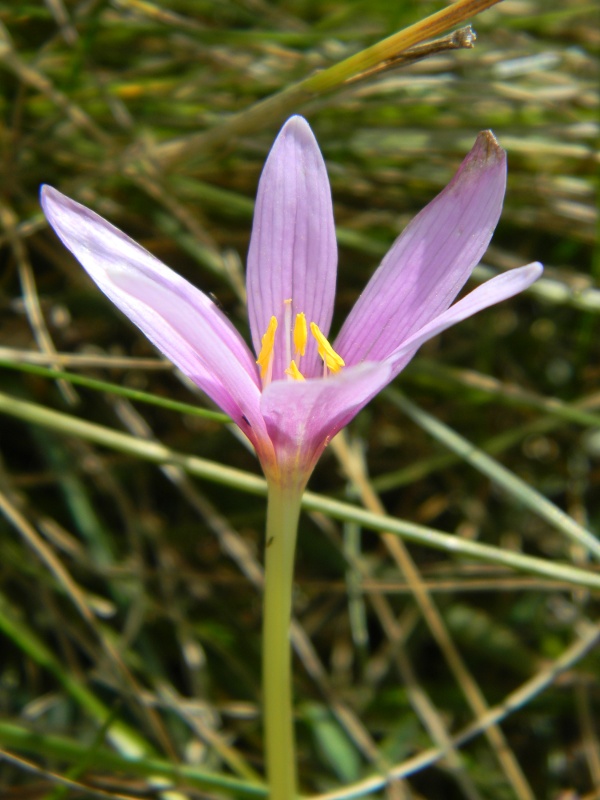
{"x": 181, "y": 321}
{"x": 499, "y": 288}
{"x": 302, "y": 417}
{"x": 431, "y": 260}
{"x": 293, "y": 250}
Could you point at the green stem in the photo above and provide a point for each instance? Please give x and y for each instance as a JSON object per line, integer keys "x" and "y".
{"x": 283, "y": 509}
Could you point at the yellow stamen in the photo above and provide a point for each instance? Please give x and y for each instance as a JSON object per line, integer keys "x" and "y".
{"x": 265, "y": 357}
{"x": 294, "y": 372}
{"x": 332, "y": 360}
{"x": 300, "y": 334}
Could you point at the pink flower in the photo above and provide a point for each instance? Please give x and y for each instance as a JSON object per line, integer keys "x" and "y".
{"x": 296, "y": 391}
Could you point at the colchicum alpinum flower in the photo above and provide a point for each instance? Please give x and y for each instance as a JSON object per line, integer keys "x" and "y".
{"x": 296, "y": 391}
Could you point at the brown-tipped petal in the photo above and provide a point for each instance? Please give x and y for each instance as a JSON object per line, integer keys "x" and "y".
{"x": 431, "y": 260}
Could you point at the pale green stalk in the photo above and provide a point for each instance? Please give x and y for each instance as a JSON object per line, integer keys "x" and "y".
{"x": 283, "y": 510}
{"x": 290, "y": 100}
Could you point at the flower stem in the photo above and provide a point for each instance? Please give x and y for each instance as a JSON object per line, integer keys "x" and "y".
{"x": 283, "y": 509}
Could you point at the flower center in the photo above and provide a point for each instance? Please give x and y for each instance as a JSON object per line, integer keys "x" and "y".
{"x": 296, "y": 338}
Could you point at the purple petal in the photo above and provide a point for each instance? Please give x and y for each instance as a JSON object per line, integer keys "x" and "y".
{"x": 302, "y": 417}
{"x": 179, "y": 319}
{"x": 431, "y": 260}
{"x": 293, "y": 251}
{"x": 491, "y": 292}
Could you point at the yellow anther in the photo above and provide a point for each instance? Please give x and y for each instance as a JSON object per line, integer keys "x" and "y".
{"x": 265, "y": 356}
{"x": 332, "y": 360}
{"x": 294, "y": 372}
{"x": 300, "y": 335}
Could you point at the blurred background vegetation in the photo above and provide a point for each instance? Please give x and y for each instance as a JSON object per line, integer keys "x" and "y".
{"x": 129, "y": 590}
